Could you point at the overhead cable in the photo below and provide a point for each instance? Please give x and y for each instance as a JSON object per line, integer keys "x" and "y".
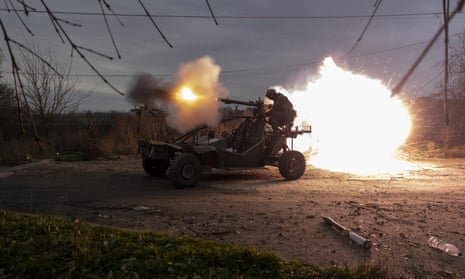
{"x": 395, "y": 15}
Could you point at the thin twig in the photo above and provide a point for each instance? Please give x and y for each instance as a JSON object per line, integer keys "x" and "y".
{"x": 211, "y": 12}
{"x": 21, "y": 19}
{"x": 154, "y": 24}
{"x": 6, "y": 6}
{"x": 111, "y": 10}
{"x": 18, "y": 81}
{"x": 94, "y": 52}
{"x": 16, "y": 77}
{"x": 36, "y": 55}
{"x": 52, "y": 20}
{"x": 108, "y": 28}
{"x": 26, "y": 7}
{"x": 78, "y": 49}
{"x": 68, "y": 22}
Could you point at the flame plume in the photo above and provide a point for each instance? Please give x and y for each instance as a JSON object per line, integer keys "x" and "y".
{"x": 357, "y": 126}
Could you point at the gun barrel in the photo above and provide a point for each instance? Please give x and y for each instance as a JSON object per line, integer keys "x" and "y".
{"x": 237, "y": 102}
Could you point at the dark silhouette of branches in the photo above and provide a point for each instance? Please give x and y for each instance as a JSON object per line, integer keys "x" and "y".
{"x": 26, "y": 11}
{"x": 22, "y": 9}
{"x": 154, "y": 24}
{"x": 108, "y": 25}
{"x": 107, "y": 5}
{"x": 16, "y": 77}
{"x": 48, "y": 94}
{"x": 211, "y": 12}
{"x": 37, "y": 55}
{"x": 59, "y": 28}
{"x": 19, "y": 91}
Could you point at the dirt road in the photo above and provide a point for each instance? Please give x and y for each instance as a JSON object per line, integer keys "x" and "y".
{"x": 397, "y": 212}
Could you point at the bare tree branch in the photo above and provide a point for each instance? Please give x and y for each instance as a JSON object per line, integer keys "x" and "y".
{"x": 68, "y": 22}
{"x": 111, "y": 10}
{"x": 93, "y": 51}
{"x": 21, "y": 19}
{"x": 26, "y": 7}
{"x": 6, "y": 5}
{"x": 49, "y": 94}
{"x": 78, "y": 48}
{"x": 57, "y": 30}
{"x": 211, "y": 12}
{"x": 36, "y": 55}
{"x": 108, "y": 28}
{"x": 16, "y": 77}
{"x": 154, "y": 24}
{"x": 20, "y": 95}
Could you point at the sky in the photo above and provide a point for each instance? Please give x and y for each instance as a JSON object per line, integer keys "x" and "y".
{"x": 257, "y": 43}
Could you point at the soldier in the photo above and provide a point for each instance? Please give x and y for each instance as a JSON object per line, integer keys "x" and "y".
{"x": 282, "y": 113}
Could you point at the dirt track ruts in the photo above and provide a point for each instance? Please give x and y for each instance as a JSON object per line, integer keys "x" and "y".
{"x": 258, "y": 208}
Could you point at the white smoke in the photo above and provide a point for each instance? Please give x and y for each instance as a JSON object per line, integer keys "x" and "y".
{"x": 202, "y": 77}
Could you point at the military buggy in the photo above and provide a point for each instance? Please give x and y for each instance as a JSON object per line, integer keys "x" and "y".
{"x": 259, "y": 139}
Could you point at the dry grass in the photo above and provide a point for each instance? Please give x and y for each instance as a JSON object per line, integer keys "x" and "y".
{"x": 91, "y": 135}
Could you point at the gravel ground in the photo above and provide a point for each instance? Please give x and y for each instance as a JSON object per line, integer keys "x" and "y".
{"x": 257, "y": 207}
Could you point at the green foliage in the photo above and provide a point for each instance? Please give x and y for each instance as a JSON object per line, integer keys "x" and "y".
{"x": 52, "y": 247}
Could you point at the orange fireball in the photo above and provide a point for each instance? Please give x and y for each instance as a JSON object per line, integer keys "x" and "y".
{"x": 187, "y": 95}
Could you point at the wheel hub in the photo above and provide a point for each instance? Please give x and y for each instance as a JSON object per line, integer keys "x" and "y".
{"x": 188, "y": 171}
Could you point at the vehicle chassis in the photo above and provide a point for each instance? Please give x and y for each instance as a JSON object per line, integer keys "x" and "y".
{"x": 252, "y": 145}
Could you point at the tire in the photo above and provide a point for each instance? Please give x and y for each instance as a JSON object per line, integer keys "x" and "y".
{"x": 185, "y": 170}
{"x": 155, "y": 168}
{"x": 292, "y": 165}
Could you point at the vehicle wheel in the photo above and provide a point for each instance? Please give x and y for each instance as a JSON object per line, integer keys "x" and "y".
{"x": 292, "y": 165}
{"x": 185, "y": 170}
{"x": 155, "y": 168}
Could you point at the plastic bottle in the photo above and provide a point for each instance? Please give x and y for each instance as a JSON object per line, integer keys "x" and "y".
{"x": 442, "y": 245}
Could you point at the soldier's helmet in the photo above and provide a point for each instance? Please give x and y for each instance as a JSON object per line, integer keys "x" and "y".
{"x": 271, "y": 93}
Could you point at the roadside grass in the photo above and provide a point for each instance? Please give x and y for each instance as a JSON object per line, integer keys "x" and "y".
{"x": 37, "y": 246}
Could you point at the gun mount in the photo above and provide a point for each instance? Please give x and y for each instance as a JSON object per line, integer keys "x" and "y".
{"x": 237, "y": 102}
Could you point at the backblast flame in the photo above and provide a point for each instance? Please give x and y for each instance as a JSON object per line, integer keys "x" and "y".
{"x": 357, "y": 126}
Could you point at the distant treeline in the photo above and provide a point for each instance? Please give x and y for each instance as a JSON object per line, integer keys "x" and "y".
{"x": 430, "y": 122}
{"x": 95, "y": 134}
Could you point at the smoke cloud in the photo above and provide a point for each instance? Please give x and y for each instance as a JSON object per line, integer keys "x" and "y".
{"x": 147, "y": 90}
{"x": 201, "y": 77}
